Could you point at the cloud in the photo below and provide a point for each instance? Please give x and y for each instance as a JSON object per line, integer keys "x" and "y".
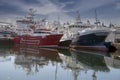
{"x": 9, "y": 18}
{"x": 51, "y": 8}
{"x": 43, "y": 7}
{"x": 85, "y": 5}
{"x": 48, "y": 6}
{"x": 118, "y": 5}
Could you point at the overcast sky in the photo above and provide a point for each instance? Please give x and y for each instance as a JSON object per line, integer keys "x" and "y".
{"x": 107, "y": 10}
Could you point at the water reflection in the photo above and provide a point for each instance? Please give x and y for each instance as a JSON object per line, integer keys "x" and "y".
{"x": 113, "y": 60}
{"x": 40, "y": 63}
{"x": 77, "y": 61}
{"x": 5, "y": 52}
{"x": 31, "y": 59}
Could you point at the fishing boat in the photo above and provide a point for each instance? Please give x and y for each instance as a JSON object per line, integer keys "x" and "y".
{"x": 117, "y": 35}
{"x": 70, "y": 30}
{"x": 92, "y": 38}
{"x": 34, "y": 33}
{"x": 66, "y": 38}
{"x": 6, "y": 33}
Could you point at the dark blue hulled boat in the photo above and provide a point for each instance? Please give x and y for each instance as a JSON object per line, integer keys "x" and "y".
{"x": 92, "y": 38}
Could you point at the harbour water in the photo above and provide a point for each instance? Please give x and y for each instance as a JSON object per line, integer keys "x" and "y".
{"x": 33, "y": 63}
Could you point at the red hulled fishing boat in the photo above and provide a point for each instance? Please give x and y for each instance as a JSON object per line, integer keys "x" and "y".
{"x": 30, "y": 32}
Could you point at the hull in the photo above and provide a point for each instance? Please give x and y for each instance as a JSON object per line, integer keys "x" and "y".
{"x": 41, "y": 41}
{"x": 65, "y": 43}
{"x": 92, "y": 41}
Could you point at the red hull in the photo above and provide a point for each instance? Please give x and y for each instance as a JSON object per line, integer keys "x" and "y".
{"x": 42, "y": 41}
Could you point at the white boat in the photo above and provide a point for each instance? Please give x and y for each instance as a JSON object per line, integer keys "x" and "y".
{"x": 70, "y": 30}
{"x": 117, "y": 35}
{"x": 78, "y": 26}
{"x": 7, "y": 31}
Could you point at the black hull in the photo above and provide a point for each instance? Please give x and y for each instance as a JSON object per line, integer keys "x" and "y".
{"x": 93, "y": 41}
{"x": 90, "y": 40}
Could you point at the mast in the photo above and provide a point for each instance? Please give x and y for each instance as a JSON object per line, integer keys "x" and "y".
{"x": 31, "y": 14}
{"x": 97, "y": 22}
{"x": 78, "y": 19}
{"x": 96, "y": 19}
{"x": 59, "y": 21}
